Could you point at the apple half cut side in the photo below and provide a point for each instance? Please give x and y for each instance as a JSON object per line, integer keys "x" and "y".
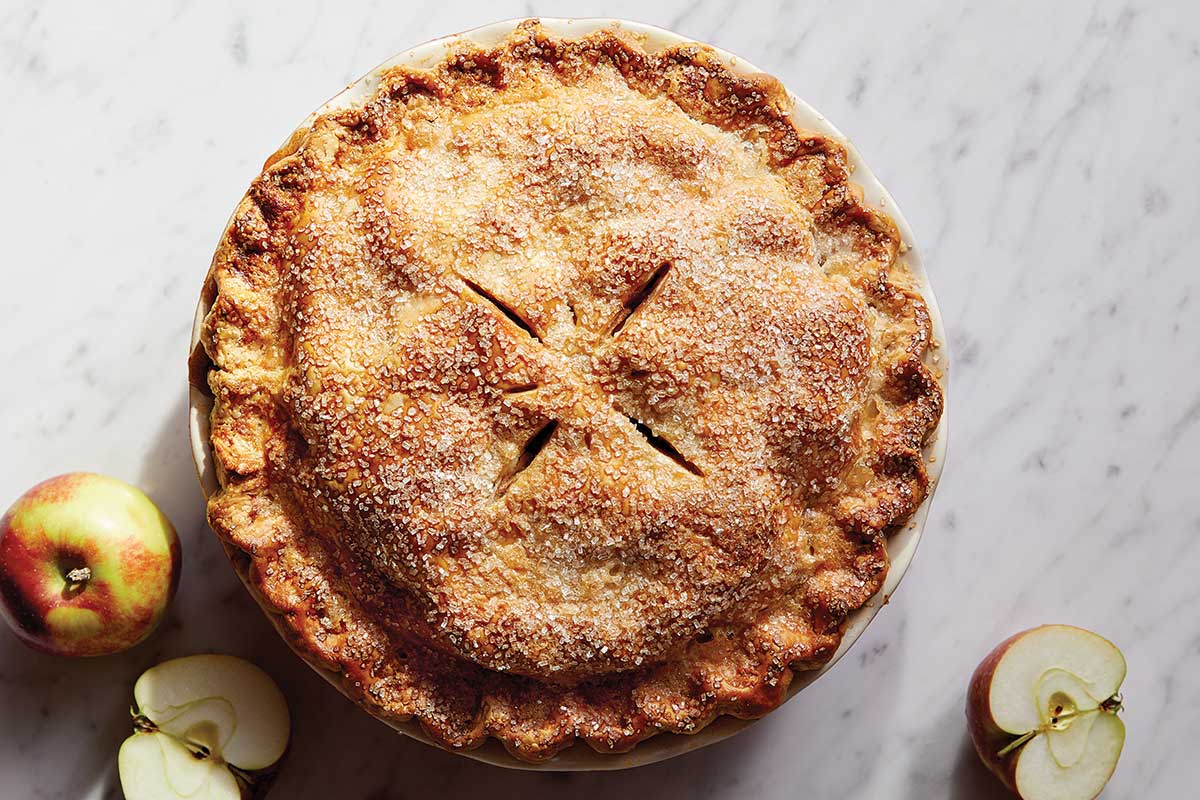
{"x": 211, "y": 727}
{"x": 1042, "y": 712}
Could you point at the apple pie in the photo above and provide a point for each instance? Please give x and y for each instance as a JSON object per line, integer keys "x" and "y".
{"x": 564, "y": 390}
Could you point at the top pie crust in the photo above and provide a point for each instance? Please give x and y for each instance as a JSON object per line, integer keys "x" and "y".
{"x": 564, "y": 390}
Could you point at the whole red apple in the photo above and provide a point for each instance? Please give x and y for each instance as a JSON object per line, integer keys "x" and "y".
{"x": 88, "y": 565}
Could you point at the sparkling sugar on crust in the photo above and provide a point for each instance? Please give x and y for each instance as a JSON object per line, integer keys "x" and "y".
{"x": 565, "y": 376}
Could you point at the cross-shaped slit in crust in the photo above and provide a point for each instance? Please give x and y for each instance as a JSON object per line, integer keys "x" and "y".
{"x": 536, "y": 443}
{"x": 638, "y": 298}
{"x": 529, "y": 452}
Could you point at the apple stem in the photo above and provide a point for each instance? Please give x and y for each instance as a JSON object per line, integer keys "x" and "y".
{"x": 1112, "y": 705}
{"x": 79, "y": 576}
{"x": 142, "y": 723}
{"x": 245, "y": 776}
{"x": 1015, "y": 743}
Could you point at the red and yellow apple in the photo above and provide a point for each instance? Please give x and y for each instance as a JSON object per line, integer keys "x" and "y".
{"x": 88, "y": 565}
{"x": 1042, "y": 712}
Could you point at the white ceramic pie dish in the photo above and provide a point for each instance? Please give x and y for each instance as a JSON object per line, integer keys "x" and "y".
{"x": 901, "y": 546}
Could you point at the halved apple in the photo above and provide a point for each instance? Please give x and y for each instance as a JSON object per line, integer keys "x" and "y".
{"x": 1042, "y": 712}
{"x": 207, "y": 726}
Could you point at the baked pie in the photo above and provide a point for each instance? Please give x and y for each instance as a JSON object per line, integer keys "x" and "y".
{"x": 564, "y": 390}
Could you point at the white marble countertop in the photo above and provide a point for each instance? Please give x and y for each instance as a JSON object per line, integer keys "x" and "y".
{"x": 1047, "y": 156}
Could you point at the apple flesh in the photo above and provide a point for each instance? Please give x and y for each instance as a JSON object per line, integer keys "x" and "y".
{"x": 207, "y": 726}
{"x": 1042, "y": 712}
{"x": 88, "y": 565}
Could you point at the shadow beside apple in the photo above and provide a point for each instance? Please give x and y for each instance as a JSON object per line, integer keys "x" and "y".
{"x": 970, "y": 779}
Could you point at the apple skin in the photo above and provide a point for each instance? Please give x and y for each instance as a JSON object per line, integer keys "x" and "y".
{"x": 114, "y": 530}
{"x": 987, "y": 737}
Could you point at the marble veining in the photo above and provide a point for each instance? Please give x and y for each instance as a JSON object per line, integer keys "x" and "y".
{"x": 1046, "y": 155}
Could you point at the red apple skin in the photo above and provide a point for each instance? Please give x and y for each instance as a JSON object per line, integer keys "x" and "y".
{"x": 987, "y": 737}
{"x": 86, "y": 520}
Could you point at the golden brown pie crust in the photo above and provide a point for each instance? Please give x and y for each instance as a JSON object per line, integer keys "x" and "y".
{"x": 564, "y": 390}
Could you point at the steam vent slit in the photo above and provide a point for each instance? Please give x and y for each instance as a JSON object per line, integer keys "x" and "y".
{"x": 529, "y": 452}
{"x": 666, "y": 448}
{"x": 638, "y": 298}
{"x": 503, "y": 308}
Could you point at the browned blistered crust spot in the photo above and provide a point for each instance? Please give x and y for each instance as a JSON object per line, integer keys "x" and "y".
{"x": 564, "y": 391}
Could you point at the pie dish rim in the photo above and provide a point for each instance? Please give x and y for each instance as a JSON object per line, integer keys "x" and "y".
{"x": 901, "y": 545}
